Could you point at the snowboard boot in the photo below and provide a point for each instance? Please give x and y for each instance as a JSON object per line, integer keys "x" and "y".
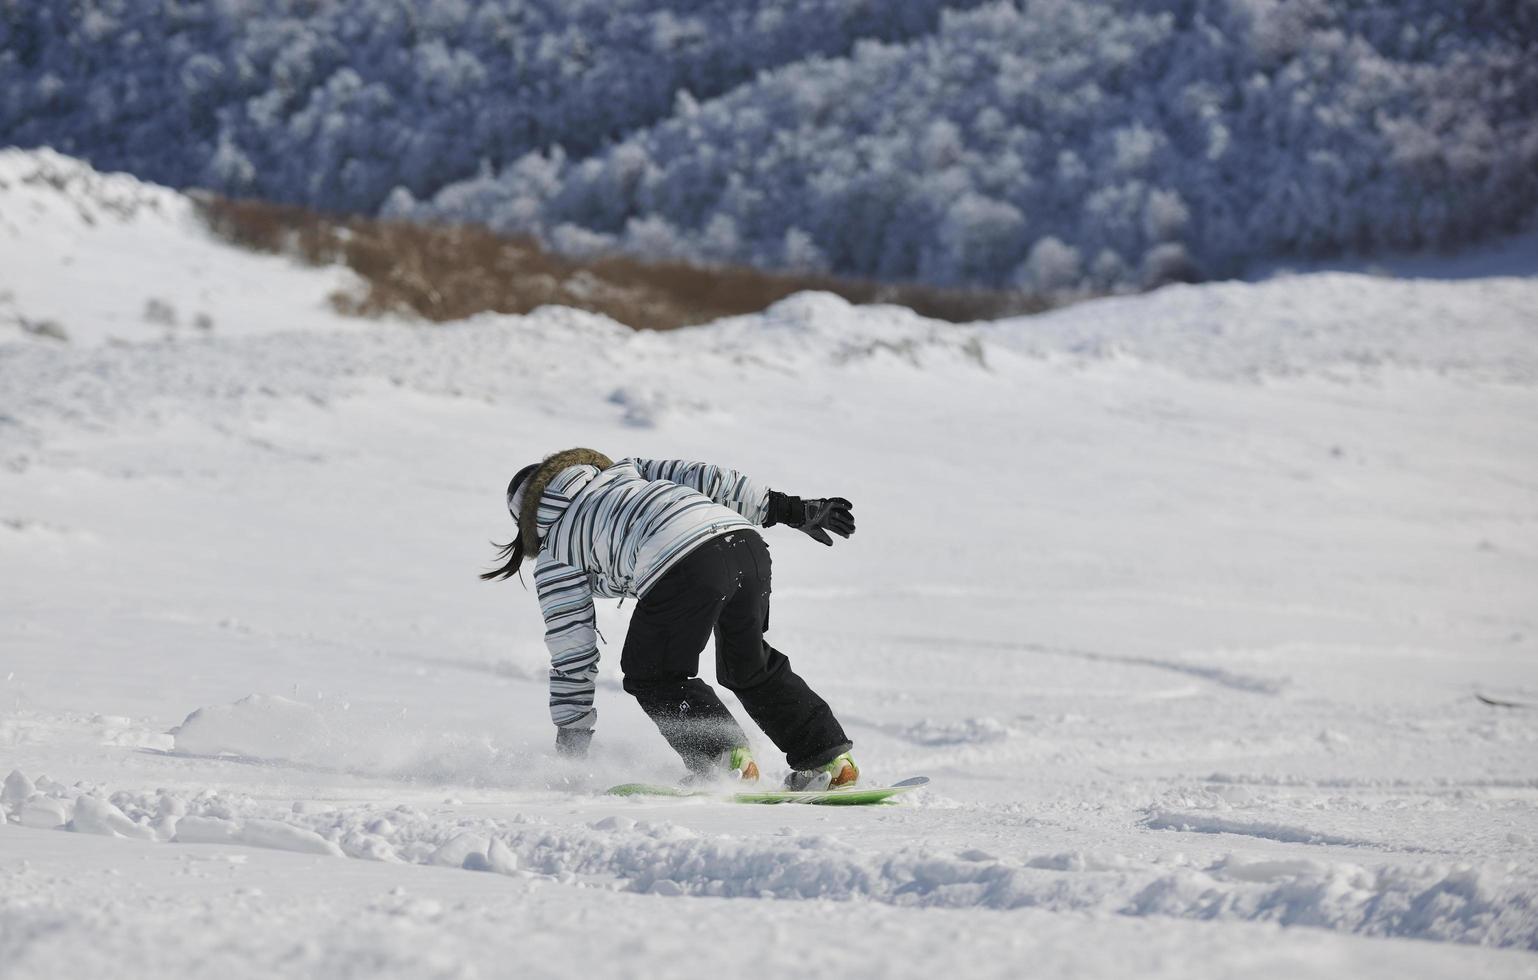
{"x": 733, "y": 766}
{"x": 841, "y": 773}
{"x": 740, "y": 762}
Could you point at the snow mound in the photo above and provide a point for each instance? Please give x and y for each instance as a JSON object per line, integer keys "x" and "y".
{"x": 1330, "y": 324}
{"x": 1459, "y": 903}
{"x": 54, "y": 188}
{"x": 93, "y": 257}
{"x": 259, "y": 725}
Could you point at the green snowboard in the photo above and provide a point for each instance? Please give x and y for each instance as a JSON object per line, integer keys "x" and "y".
{"x": 827, "y": 797}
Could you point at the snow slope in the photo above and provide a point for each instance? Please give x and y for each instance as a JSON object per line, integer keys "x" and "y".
{"x": 1183, "y": 601}
{"x": 95, "y": 257}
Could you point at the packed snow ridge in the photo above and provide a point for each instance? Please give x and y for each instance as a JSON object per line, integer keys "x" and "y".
{"x": 1429, "y": 901}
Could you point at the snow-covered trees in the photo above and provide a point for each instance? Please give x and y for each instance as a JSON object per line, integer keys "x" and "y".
{"x": 1051, "y": 144}
{"x": 335, "y": 104}
{"x": 1061, "y": 144}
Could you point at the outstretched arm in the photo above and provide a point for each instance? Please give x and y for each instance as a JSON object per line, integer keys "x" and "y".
{"x": 762, "y": 506}
{"x": 726, "y": 487}
{"x": 566, "y": 601}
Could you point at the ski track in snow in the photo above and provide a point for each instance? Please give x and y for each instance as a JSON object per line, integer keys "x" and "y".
{"x": 1215, "y": 675}
{"x": 1285, "y": 833}
{"x": 1185, "y": 601}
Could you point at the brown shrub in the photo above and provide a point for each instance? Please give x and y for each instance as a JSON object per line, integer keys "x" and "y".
{"x": 449, "y": 272}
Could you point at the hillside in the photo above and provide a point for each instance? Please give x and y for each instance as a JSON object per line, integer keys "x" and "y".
{"x": 1040, "y": 144}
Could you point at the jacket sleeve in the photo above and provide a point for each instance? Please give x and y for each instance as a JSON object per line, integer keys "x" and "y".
{"x": 726, "y": 487}
{"x": 566, "y": 602}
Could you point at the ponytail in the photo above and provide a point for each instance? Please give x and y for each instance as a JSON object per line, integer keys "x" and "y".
{"x": 512, "y": 553}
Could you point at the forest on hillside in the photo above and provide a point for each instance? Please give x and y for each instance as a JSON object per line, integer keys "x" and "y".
{"x": 1050, "y": 145}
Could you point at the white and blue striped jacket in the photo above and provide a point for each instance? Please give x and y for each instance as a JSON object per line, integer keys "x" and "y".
{"x": 615, "y": 533}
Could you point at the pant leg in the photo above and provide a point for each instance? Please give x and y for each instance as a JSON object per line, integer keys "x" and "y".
{"x": 661, "y": 658}
{"x": 794, "y": 717}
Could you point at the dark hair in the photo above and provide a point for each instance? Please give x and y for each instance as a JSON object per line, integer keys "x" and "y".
{"x": 512, "y": 553}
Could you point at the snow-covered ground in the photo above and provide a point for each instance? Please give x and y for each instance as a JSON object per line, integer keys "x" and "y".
{"x": 1182, "y": 600}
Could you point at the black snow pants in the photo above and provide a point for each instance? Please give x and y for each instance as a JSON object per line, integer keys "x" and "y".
{"x": 722, "y": 587}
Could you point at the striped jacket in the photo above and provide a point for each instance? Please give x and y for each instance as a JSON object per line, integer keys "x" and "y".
{"x": 615, "y": 533}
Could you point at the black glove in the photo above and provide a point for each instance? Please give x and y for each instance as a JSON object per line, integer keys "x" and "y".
{"x": 814, "y": 518}
{"x": 571, "y": 743}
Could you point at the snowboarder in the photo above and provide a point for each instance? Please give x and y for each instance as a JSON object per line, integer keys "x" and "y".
{"x": 682, "y": 538}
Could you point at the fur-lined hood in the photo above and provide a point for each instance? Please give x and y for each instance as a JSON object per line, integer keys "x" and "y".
{"x": 528, "y": 516}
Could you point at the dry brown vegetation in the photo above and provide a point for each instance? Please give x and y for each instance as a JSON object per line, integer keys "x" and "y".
{"x": 443, "y": 272}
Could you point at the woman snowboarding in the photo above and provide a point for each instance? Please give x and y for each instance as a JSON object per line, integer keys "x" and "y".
{"x": 682, "y": 538}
